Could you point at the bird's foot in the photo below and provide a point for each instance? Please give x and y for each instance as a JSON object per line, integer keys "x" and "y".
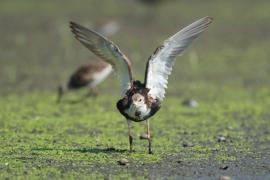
{"x": 144, "y": 137}
{"x": 150, "y": 152}
{"x": 132, "y": 151}
{"x": 92, "y": 93}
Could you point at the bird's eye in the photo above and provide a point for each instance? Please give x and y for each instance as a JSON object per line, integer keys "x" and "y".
{"x": 140, "y": 100}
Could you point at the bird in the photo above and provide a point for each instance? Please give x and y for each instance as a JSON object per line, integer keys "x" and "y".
{"x": 91, "y": 74}
{"x": 141, "y": 100}
{"x": 88, "y": 75}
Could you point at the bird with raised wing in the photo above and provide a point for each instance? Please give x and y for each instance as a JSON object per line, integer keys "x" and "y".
{"x": 140, "y": 101}
{"x": 92, "y": 74}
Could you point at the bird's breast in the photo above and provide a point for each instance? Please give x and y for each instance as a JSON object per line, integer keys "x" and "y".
{"x": 135, "y": 113}
{"x": 138, "y": 113}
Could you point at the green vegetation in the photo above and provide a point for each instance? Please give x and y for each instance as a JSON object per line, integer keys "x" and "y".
{"x": 226, "y": 70}
{"x": 39, "y": 137}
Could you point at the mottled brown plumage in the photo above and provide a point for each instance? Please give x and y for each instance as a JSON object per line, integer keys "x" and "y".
{"x": 86, "y": 76}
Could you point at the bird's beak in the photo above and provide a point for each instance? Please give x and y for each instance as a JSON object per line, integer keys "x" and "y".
{"x": 133, "y": 105}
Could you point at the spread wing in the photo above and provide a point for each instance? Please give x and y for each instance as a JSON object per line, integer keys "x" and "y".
{"x": 106, "y": 50}
{"x": 159, "y": 65}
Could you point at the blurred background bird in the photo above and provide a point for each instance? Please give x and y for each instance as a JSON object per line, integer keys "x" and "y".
{"x": 91, "y": 74}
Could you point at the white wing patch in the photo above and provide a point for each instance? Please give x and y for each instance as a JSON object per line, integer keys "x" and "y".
{"x": 160, "y": 64}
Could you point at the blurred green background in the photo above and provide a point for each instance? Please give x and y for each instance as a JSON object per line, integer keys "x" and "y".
{"x": 38, "y": 50}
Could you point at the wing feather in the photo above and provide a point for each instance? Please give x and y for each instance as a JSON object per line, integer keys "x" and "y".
{"x": 106, "y": 50}
{"x": 159, "y": 65}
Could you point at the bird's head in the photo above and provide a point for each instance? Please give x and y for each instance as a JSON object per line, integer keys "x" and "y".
{"x": 138, "y": 100}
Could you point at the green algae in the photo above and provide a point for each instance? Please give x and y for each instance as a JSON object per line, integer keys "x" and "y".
{"x": 41, "y": 137}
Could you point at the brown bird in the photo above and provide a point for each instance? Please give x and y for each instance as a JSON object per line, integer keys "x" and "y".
{"x": 89, "y": 75}
{"x": 140, "y": 101}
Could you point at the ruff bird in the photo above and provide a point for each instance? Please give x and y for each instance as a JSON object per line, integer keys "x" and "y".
{"x": 92, "y": 74}
{"x": 140, "y": 101}
{"x": 89, "y": 75}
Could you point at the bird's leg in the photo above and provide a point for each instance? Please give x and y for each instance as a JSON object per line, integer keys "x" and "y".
{"x": 147, "y": 137}
{"x": 130, "y": 136}
{"x": 60, "y": 93}
{"x": 92, "y": 92}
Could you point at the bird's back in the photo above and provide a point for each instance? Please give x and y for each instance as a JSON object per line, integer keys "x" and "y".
{"x": 86, "y": 74}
